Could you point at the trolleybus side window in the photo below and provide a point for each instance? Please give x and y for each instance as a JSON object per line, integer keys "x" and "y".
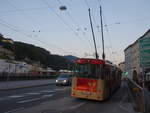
{"x": 106, "y": 73}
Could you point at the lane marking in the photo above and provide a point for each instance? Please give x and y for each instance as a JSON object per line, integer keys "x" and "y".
{"x": 16, "y": 96}
{"x": 32, "y": 93}
{"x": 11, "y": 97}
{"x": 125, "y": 109}
{"x": 77, "y": 106}
{"x": 122, "y": 101}
{"x": 30, "y": 100}
{"x": 14, "y": 110}
{"x": 48, "y": 91}
{"x": 59, "y": 89}
{"x": 35, "y": 99}
{"x": 44, "y": 96}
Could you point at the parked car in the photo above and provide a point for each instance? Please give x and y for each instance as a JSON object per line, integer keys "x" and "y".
{"x": 64, "y": 79}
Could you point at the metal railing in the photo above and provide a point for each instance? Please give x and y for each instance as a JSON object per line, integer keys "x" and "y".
{"x": 141, "y": 97}
{"x": 24, "y": 76}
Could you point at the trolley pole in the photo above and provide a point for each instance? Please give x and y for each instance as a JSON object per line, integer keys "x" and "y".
{"x": 96, "y": 54}
{"x": 103, "y": 54}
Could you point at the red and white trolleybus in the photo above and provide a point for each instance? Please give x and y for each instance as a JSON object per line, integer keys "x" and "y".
{"x": 95, "y": 79}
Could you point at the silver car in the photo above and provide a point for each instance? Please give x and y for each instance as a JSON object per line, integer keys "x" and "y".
{"x": 64, "y": 79}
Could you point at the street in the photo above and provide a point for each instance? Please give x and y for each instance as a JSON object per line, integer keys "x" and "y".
{"x": 57, "y": 99}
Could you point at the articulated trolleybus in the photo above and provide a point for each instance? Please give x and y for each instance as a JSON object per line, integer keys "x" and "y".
{"x": 95, "y": 79}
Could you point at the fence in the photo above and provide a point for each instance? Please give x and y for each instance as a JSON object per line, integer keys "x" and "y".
{"x": 24, "y": 76}
{"x": 141, "y": 97}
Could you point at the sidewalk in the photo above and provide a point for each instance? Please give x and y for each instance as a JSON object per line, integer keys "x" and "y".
{"x": 8, "y": 85}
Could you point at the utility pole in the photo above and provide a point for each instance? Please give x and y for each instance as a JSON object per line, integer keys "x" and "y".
{"x": 96, "y": 54}
{"x": 103, "y": 54}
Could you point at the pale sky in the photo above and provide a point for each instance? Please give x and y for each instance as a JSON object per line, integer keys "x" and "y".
{"x": 42, "y": 23}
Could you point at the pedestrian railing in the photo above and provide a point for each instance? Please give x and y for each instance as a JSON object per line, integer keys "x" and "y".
{"x": 141, "y": 97}
{"x": 24, "y": 76}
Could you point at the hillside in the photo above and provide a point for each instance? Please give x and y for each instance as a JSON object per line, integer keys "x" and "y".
{"x": 31, "y": 54}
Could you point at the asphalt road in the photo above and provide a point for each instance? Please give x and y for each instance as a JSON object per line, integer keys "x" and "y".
{"x": 57, "y": 99}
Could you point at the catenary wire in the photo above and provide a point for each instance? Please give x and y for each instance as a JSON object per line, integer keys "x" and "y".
{"x": 76, "y": 24}
{"x": 5, "y": 24}
{"x": 64, "y": 22}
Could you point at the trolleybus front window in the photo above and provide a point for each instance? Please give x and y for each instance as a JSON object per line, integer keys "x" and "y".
{"x": 87, "y": 70}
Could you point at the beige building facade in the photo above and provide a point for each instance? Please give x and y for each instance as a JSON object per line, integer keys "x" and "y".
{"x": 137, "y": 56}
{"x": 121, "y": 65}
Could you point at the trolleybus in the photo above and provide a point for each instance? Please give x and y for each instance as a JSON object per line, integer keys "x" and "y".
{"x": 95, "y": 79}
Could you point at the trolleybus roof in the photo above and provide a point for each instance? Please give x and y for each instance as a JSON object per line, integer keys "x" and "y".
{"x": 91, "y": 61}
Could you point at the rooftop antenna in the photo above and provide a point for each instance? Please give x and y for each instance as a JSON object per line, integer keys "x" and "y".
{"x": 96, "y": 55}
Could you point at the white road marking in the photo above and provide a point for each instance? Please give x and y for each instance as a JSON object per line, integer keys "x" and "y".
{"x": 59, "y": 89}
{"x": 76, "y": 106}
{"x": 16, "y": 96}
{"x": 44, "y": 96}
{"x": 120, "y": 104}
{"x": 11, "y": 97}
{"x": 123, "y": 99}
{"x": 32, "y": 93}
{"x": 48, "y": 91}
{"x": 29, "y": 100}
{"x": 125, "y": 109}
{"x": 35, "y": 99}
{"x": 14, "y": 110}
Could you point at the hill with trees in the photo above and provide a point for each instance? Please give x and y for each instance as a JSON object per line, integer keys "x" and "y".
{"x": 33, "y": 54}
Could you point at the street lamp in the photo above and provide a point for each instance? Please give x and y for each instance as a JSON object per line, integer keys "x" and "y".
{"x": 63, "y": 8}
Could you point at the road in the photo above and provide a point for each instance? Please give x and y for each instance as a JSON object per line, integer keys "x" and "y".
{"x": 57, "y": 99}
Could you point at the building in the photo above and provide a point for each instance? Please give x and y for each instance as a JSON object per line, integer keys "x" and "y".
{"x": 121, "y": 65}
{"x": 137, "y": 57}
{"x": 5, "y": 53}
{"x": 11, "y": 66}
{"x": 8, "y": 40}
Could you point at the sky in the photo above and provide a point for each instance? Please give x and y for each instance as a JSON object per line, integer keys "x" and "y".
{"x": 68, "y": 32}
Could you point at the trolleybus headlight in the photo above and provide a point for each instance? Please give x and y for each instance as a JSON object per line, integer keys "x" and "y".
{"x": 56, "y": 80}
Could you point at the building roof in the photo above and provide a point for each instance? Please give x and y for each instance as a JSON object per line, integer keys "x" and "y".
{"x": 148, "y": 31}
{"x": 8, "y": 40}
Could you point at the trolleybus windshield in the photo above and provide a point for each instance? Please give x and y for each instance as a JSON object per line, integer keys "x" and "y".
{"x": 88, "y": 70}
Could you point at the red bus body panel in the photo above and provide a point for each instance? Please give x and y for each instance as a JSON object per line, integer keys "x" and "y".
{"x": 85, "y": 84}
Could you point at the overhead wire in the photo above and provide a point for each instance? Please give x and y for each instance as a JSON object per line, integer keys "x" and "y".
{"x": 88, "y": 6}
{"x": 99, "y": 2}
{"x": 11, "y": 27}
{"x": 76, "y": 24}
{"x": 110, "y": 42}
{"x": 24, "y": 14}
{"x": 63, "y": 21}
{"x": 24, "y": 10}
{"x": 104, "y": 20}
{"x": 86, "y": 2}
{"x": 106, "y": 28}
{"x": 46, "y": 3}
{"x": 92, "y": 15}
{"x": 127, "y": 22}
{"x": 31, "y": 19}
{"x": 69, "y": 15}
